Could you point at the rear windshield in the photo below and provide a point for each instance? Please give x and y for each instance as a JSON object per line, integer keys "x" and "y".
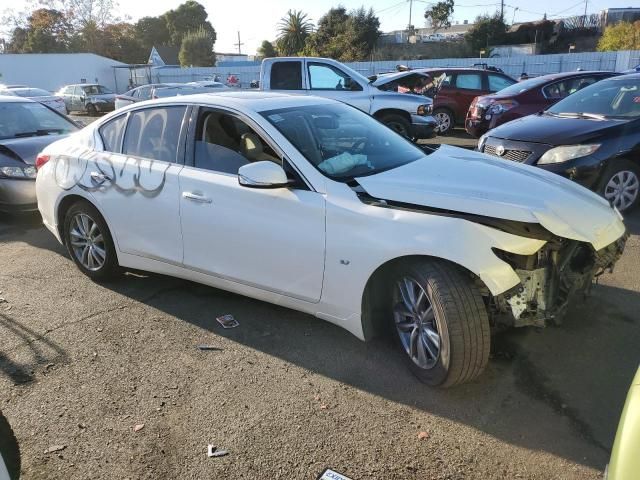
{"x": 31, "y": 119}
{"x": 614, "y": 98}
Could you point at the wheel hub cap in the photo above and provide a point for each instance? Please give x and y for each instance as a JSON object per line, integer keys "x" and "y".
{"x": 416, "y": 323}
{"x": 87, "y": 242}
{"x": 622, "y": 189}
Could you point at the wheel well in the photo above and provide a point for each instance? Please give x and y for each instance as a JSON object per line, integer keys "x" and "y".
{"x": 376, "y": 292}
{"x": 392, "y": 111}
{"x": 64, "y": 206}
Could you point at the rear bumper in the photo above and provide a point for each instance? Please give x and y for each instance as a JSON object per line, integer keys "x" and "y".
{"x": 423, "y": 127}
{"x": 18, "y": 195}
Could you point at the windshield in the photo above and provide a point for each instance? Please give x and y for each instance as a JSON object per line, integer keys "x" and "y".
{"x": 30, "y": 119}
{"x": 341, "y": 141}
{"x": 615, "y": 98}
{"x": 523, "y": 86}
{"x": 96, "y": 90}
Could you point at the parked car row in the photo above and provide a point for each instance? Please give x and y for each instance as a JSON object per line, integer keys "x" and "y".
{"x": 164, "y": 90}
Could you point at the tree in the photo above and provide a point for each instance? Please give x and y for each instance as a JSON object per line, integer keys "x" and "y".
{"x": 344, "y": 36}
{"x": 152, "y": 31}
{"x": 47, "y": 32}
{"x": 197, "y": 49}
{"x": 439, "y": 15}
{"x": 18, "y": 41}
{"x": 187, "y": 18}
{"x": 487, "y": 30}
{"x": 120, "y": 42}
{"x": 622, "y": 36}
{"x": 293, "y": 28}
{"x": 267, "y": 50}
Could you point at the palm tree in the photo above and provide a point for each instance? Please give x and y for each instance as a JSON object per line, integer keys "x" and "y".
{"x": 293, "y": 30}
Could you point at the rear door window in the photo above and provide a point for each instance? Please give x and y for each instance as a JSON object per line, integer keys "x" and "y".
{"x": 286, "y": 75}
{"x": 154, "y": 133}
{"x": 469, "y": 81}
{"x": 112, "y": 133}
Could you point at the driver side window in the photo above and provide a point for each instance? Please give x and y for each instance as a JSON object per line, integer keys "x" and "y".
{"x": 224, "y": 143}
{"x": 326, "y": 77}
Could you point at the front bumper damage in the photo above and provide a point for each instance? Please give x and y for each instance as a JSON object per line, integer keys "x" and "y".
{"x": 549, "y": 279}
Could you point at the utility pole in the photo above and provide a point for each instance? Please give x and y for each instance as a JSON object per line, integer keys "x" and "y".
{"x": 239, "y": 44}
{"x": 410, "y": 10}
{"x": 502, "y": 10}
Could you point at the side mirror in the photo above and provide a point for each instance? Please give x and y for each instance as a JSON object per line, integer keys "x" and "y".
{"x": 263, "y": 174}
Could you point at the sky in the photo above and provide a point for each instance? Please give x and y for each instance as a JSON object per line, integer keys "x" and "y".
{"x": 257, "y": 20}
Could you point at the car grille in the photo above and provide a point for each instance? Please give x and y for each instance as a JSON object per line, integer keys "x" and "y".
{"x": 513, "y": 155}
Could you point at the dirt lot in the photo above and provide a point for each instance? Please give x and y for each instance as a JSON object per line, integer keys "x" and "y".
{"x": 288, "y": 395}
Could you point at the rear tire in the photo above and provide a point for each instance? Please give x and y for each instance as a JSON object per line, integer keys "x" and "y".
{"x": 620, "y": 184}
{"x": 448, "y": 323}
{"x": 397, "y": 123}
{"x": 445, "y": 119}
{"x": 89, "y": 242}
{"x": 9, "y": 450}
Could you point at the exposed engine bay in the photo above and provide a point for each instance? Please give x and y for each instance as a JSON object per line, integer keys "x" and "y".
{"x": 549, "y": 279}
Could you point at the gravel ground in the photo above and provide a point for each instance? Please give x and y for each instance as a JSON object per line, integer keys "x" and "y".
{"x": 83, "y": 364}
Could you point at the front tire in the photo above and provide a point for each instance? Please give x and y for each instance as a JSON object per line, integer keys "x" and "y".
{"x": 92, "y": 111}
{"x": 89, "y": 242}
{"x": 440, "y": 323}
{"x": 621, "y": 184}
{"x": 397, "y": 123}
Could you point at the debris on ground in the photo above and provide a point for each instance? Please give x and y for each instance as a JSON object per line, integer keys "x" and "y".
{"x": 212, "y": 451}
{"x": 423, "y": 436}
{"x": 208, "y": 347}
{"x": 138, "y": 427}
{"x": 55, "y": 448}
{"x": 3, "y": 300}
{"x": 329, "y": 474}
{"x": 227, "y": 321}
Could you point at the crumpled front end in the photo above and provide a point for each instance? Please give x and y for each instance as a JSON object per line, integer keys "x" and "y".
{"x": 550, "y": 279}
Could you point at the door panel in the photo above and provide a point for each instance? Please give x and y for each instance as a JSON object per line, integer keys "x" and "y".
{"x": 272, "y": 239}
{"x": 467, "y": 87}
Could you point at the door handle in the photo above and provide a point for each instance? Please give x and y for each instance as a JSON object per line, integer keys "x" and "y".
{"x": 100, "y": 177}
{"x": 196, "y": 197}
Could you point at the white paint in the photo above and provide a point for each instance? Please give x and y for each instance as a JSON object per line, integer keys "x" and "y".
{"x": 287, "y": 246}
{"x": 51, "y": 71}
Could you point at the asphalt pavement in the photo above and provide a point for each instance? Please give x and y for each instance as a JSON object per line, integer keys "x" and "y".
{"x": 106, "y": 381}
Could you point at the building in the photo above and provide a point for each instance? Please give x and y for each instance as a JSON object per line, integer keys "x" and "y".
{"x": 611, "y": 16}
{"x": 50, "y": 71}
{"x": 422, "y": 34}
{"x": 164, "y": 56}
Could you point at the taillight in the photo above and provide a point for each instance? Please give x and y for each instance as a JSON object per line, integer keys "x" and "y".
{"x": 41, "y": 159}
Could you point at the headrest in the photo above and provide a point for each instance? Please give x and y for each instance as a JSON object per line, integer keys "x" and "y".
{"x": 251, "y": 146}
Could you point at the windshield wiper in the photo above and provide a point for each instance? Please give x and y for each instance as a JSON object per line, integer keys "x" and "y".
{"x": 595, "y": 116}
{"x": 39, "y": 133}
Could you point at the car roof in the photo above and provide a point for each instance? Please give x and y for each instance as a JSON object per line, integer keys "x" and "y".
{"x": 12, "y": 99}
{"x": 243, "y": 100}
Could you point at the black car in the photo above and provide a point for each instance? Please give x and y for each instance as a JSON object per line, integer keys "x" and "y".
{"x": 26, "y": 128}
{"x": 591, "y": 137}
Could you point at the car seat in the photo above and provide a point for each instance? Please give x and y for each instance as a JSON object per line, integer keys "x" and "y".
{"x": 251, "y": 147}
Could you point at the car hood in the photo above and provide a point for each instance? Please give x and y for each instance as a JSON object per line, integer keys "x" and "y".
{"x": 25, "y": 149}
{"x": 460, "y": 180}
{"x": 392, "y": 77}
{"x": 545, "y": 128}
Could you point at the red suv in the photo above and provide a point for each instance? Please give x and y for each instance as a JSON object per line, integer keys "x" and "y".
{"x": 460, "y": 87}
{"x": 524, "y": 98}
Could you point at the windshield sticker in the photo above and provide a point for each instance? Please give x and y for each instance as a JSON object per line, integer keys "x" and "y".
{"x": 276, "y": 118}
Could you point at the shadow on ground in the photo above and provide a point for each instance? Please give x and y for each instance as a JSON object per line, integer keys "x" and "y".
{"x": 580, "y": 370}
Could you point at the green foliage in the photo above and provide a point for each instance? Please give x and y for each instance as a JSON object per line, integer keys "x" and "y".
{"x": 293, "y": 30}
{"x": 344, "y": 36}
{"x": 439, "y": 15}
{"x": 152, "y": 31}
{"x": 197, "y": 49}
{"x": 487, "y": 30}
{"x": 188, "y": 17}
{"x": 267, "y": 50}
{"x": 622, "y": 36}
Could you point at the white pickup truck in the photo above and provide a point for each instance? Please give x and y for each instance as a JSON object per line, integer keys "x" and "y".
{"x": 407, "y": 114}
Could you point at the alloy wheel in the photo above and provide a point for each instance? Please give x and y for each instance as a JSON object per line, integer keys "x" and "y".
{"x": 416, "y": 323}
{"x": 87, "y": 242}
{"x": 622, "y": 189}
{"x": 444, "y": 122}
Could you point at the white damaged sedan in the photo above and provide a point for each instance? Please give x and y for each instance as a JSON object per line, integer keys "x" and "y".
{"x": 311, "y": 204}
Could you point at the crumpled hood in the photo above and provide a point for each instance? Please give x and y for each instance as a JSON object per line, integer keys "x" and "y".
{"x": 460, "y": 180}
{"x": 26, "y": 149}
